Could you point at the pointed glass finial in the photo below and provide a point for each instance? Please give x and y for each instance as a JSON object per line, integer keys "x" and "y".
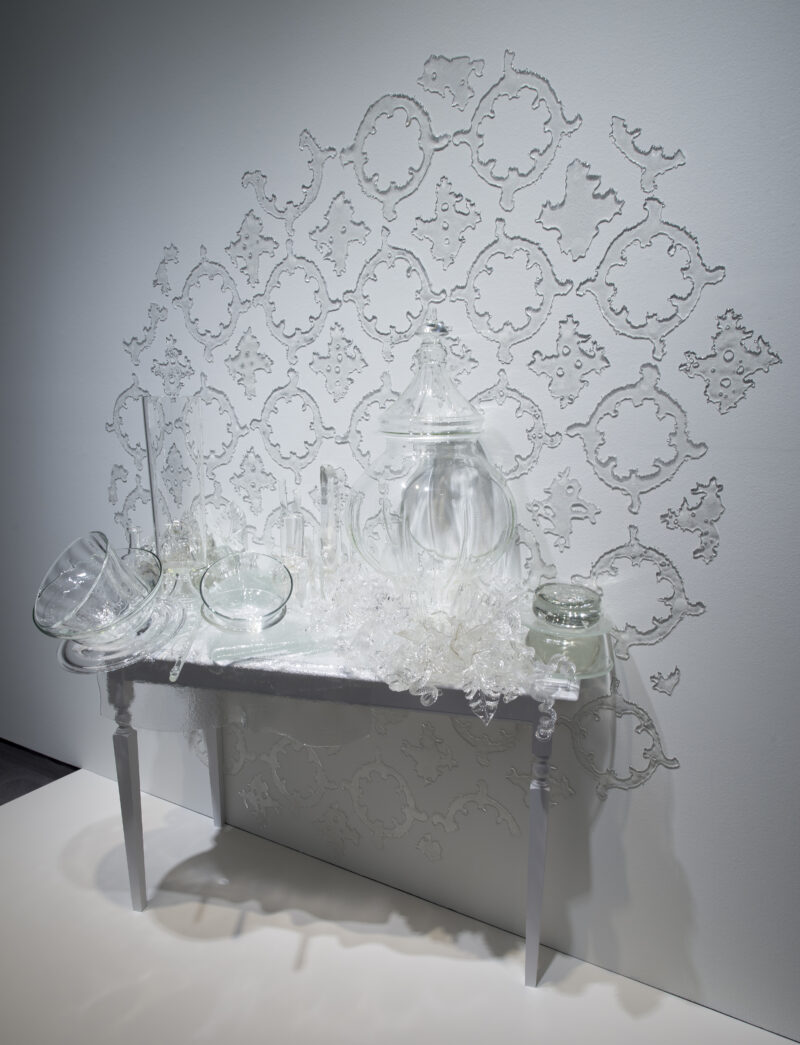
{"x": 432, "y": 406}
{"x": 433, "y": 325}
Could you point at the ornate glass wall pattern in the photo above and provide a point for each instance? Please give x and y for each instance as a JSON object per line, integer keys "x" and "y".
{"x": 564, "y": 272}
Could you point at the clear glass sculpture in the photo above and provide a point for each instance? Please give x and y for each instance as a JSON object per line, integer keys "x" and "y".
{"x": 569, "y": 624}
{"x": 432, "y": 511}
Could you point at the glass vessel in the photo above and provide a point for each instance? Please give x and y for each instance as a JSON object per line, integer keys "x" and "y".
{"x": 89, "y": 589}
{"x": 246, "y": 591}
{"x": 105, "y": 604}
{"x": 569, "y": 623}
{"x": 173, "y": 429}
{"x": 432, "y": 509}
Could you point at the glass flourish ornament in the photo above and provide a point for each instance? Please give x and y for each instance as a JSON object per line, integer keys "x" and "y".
{"x": 476, "y": 645}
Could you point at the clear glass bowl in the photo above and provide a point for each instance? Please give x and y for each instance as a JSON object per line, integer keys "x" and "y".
{"x": 245, "y": 591}
{"x": 96, "y": 595}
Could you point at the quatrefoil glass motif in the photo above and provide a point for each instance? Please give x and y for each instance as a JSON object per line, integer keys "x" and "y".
{"x": 636, "y": 479}
{"x": 495, "y": 310}
{"x": 296, "y": 303}
{"x": 524, "y": 96}
{"x": 210, "y": 304}
{"x": 621, "y": 593}
{"x": 392, "y": 295}
{"x": 291, "y": 426}
{"x": 368, "y": 152}
{"x": 617, "y": 288}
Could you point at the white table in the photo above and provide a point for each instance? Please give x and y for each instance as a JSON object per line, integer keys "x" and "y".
{"x": 311, "y": 682}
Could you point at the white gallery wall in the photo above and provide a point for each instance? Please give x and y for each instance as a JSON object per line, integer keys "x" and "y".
{"x": 612, "y": 185}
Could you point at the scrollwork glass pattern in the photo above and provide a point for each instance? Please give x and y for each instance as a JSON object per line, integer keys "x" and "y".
{"x": 314, "y": 350}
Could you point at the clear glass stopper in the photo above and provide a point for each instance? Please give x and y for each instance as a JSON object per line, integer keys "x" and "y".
{"x": 432, "y": 406}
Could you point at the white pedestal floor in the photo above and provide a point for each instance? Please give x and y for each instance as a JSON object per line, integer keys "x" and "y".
{"x": 246, "y": 941}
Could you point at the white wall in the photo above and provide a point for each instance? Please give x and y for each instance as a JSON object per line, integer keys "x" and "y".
{"x": 127, "y": 129}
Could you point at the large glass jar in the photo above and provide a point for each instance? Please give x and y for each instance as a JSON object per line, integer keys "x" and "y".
{"x": 432, "y": 510}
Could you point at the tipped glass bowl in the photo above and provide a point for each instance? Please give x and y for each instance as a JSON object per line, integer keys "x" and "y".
{"x": 95, "y": 595}
{"x": 106, "y": 605}
{"x": 245, "y": 591}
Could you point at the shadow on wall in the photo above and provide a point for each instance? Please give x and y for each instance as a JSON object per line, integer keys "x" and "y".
{"x": 600, "y": 888}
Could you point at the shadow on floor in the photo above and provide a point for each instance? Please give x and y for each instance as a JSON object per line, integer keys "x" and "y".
{"x": 244, "y": 881}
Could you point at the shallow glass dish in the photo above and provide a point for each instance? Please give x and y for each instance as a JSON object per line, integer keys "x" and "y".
{"x": 246, "y": 591}
{"x": 96, "y": 595}
{"x": 162, "y": 623}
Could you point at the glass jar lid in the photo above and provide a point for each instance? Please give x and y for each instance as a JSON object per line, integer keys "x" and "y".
{"x": 567, "y": 605}
{"x": 431, "y": 405}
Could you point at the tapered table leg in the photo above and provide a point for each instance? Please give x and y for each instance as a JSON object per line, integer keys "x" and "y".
{"x": 537, "y": 849}
{"x": 126, "y": 757}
